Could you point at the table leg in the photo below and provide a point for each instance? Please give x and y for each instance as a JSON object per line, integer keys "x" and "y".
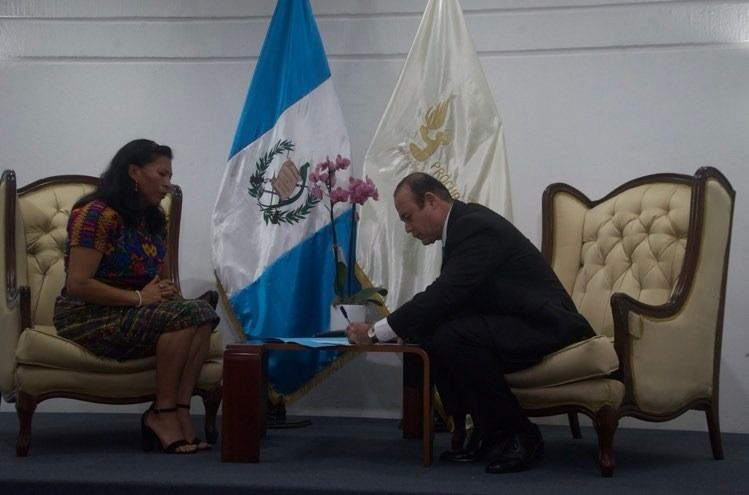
{"x": 427, "y": 414}
{"x": 244, "y": 414}
{"x": 413, "y": 372}
{"x": 417, "y": 402}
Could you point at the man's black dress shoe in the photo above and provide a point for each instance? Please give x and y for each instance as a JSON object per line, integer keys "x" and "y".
{"x": 518, "y": 452}
{"x": 472, "y": 450}
{"x": 476, "y": 448}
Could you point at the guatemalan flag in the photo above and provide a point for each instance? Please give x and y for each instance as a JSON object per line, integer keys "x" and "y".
{"x": 272, "y": 239}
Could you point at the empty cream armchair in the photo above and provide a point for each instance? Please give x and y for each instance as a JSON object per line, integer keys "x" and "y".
{"x": 647, "y": 267}
{"x": 36, "y": 364}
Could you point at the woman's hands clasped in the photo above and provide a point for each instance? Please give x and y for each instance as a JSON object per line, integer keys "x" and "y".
{"x": 158, "y": 290}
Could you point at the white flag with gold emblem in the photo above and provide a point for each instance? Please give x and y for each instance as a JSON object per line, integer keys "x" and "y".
{"x": 442, "y": 120}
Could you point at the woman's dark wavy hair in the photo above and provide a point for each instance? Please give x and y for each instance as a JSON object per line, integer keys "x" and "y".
{"x": 117, "y": 189}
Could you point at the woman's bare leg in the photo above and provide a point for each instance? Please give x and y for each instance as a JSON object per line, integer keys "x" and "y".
{"x": 172, "y": 352}
{"x": 194, "y": 363}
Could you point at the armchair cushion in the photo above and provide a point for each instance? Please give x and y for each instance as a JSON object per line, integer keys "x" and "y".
{"x": 51, "y": 364}
{"x": 110, "y": 387}
{"x": 588, "y": 395}
{"x": 41, "y": 346}
{"x": 590, "y": 358}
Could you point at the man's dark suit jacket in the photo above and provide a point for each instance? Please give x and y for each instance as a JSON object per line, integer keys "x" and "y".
{"x": 490, "y": 269}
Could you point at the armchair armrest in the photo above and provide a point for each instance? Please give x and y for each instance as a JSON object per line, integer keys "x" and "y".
{"x": 9, "y": 296}
{"x": 672, "y": 346}
{"x": 174, "y": 214}
{"x": 8, "y": 181}
{"x": 622, "y": 305}
{"x": 13, "y": 292}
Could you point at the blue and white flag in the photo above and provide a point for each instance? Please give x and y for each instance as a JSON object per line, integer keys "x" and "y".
{"x": 272, "y": 239}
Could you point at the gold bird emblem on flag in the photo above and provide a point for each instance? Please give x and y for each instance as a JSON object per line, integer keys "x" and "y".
{"x": 433, "y": 121}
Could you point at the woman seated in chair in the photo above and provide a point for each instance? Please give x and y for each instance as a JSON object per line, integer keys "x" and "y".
{"x": 119, "y": 302}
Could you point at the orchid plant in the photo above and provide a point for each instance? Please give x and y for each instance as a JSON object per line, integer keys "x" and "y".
{"x": 322, "y": 182}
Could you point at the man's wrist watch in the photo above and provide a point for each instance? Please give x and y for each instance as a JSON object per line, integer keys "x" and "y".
{"x": 372, "y": 335}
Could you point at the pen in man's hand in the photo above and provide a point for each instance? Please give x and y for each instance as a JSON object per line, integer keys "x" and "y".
{"x": 345, "y": 315}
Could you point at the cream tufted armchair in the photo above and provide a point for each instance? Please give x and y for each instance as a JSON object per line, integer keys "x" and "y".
{"x": 36, "y": 364}
{"x": 647, "y": 267}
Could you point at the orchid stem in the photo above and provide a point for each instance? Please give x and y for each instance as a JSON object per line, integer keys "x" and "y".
{"x": 351, "y": 253}
{"x": 338, "y": 290}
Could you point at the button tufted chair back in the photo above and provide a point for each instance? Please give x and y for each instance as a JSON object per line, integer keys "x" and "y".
{"x": 36, "y": 364}
{"x": 44, "y": 217}
{"x": 633, "y": 243}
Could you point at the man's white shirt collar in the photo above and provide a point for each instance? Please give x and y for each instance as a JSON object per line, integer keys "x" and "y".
{"x": 444, "y": 225}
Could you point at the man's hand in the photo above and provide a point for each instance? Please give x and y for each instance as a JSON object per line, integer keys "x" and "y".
{"x": 357, "y": 333}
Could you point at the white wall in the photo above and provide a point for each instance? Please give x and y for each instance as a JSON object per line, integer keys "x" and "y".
{"x": 592, "y": 92}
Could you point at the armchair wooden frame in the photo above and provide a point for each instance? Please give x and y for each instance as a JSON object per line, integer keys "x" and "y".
{"x": 606, "y": 419}
{"x": 25, "y": 403}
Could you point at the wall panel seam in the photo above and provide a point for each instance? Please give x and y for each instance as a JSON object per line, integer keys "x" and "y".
{"x": 391, "y": 56}
{"x": 382, "y": 15}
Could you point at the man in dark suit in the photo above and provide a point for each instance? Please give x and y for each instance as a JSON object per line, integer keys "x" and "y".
{"x": 497, "y": 307}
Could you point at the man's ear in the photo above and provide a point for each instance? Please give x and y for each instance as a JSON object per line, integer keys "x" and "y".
{"x": 429, "y": 198}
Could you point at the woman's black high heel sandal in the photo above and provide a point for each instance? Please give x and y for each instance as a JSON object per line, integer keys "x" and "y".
{"x": 195, "y": 441}
{"x": 149, "y": 439}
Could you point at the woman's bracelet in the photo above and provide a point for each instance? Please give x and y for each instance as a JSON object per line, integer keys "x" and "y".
{"x": 140, "y": 299}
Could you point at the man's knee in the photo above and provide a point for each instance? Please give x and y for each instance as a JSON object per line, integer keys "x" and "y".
{"x": 442, "y": 343}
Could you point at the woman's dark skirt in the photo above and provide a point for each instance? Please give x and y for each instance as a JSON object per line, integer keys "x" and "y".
{"x": 123, "y": 332}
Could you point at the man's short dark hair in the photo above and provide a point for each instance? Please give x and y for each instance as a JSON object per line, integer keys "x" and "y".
{"x": 420, "y": 184}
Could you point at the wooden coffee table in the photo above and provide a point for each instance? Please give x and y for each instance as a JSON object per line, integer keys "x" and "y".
{"x": 246, "y": 395}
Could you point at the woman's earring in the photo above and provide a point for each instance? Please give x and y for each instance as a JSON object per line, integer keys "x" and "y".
{"x": 136, "y": 186}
